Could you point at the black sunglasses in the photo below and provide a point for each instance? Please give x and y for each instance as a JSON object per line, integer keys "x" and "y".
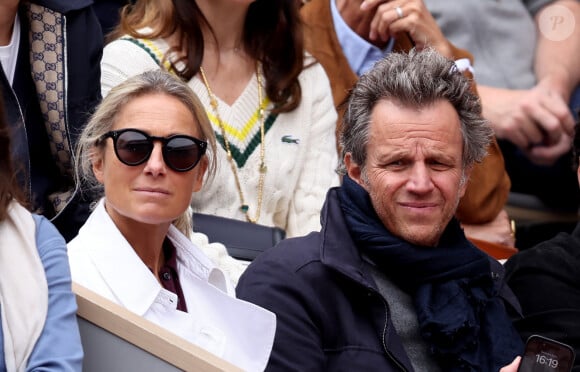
{"x": 133, "y": 147}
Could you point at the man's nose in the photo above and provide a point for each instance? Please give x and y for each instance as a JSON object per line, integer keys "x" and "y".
{"x": 419, "y": 178}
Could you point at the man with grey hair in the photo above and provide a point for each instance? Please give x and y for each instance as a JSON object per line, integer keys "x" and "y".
{"x": 390, "y": 282}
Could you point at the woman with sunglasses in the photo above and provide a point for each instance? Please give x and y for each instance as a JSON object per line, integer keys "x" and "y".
{"x": 146, "y": 148}
{"x": 270, "y": 106}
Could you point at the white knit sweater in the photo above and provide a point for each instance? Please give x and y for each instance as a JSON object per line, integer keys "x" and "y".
{"x": 300, "y": 156}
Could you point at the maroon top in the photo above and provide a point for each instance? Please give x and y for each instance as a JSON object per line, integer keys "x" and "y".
{"x": 168, "y": 274}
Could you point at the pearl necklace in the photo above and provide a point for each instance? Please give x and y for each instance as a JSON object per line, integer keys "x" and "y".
{"x": 244, "y": 207}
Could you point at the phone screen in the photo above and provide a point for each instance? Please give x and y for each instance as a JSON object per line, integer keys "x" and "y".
{"x": 546, "y": 355}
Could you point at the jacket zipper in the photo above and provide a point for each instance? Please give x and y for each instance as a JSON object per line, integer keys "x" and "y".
{"x": 384, "y": 342}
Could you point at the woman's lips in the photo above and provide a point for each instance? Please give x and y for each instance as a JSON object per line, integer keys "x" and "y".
{"x": 153, "y": 190}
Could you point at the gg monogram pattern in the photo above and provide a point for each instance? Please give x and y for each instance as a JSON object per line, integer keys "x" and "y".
{"x": 47, "y": 62}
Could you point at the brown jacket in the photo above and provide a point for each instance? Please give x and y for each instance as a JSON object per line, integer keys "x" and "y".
{"x": 489, "y": 183}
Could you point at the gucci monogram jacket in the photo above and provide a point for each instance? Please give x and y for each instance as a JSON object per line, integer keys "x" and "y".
{"x": 56, "y": 86}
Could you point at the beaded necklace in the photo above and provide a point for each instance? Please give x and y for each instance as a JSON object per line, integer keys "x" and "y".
{"x": 244, "y": 207}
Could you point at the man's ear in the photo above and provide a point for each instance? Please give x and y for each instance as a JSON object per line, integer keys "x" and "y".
{"x": 353, "y": 170}
{"x": 97, "y": 163}
{"x": 465, "y": 180}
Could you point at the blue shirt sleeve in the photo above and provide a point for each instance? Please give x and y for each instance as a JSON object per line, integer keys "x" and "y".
{"x": 59, "y": 345}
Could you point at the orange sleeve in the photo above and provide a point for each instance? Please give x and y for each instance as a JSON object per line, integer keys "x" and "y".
{"x": 489, "y": 184}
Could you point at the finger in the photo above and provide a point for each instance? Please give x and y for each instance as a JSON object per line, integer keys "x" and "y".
{"x": 510, "y": 241}
{"x": 366, "y": 5}
{"x": 410, "y": 24}
{"x": 507, "y": 236}
{"x": 569, "y": 123}
{"x": 544, "y": 155}
{"x": 559, "y": 108}
{"x": 565, "y": 118}
{"x": 385, "y": 15}
{"x": 503, "y": 216}
{"x": 369, "y": 8}
{"x": 421, "y": 27}
{"x": 548, "y": 155}
{"x": 389, "y": 16}
{"x": 518, "y": 137}
{"x": 401, "y": 24}
{"x": 539, "y": 113}
{"x": 513, "y": 366}
{"x": 551, "y": 112}
{"x": 526, "y": 133}
{"x": 370, "y": 4}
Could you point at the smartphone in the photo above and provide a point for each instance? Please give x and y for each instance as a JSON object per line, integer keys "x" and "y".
{"x": 543, "y": 354}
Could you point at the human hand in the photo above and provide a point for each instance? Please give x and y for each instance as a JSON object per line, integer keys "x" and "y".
{"x": 498, "y": 231}
{"x": 537, "y": 120}
{"x": 549, "y": 154}
{"x": 513, "y": 366}
{"x": 413, "y": 18}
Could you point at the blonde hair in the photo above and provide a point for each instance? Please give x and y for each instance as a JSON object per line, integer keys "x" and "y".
{"x": 102, "y": 121}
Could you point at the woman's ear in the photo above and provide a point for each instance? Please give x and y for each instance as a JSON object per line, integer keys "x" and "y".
{"x": 97, "y": 163}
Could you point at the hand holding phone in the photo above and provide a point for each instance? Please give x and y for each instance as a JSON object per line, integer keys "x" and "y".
{"x": 543, "y": 354}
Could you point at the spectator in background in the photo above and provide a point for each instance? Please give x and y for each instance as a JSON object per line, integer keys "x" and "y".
{"x": 546, "y": 280}
{"x": 391, "y": 282}
{"x": 348, "y": 37}
{"x": 49, "y": 78}
{"x": 273, "y": 117}
{"x": 526, "y": 70}
{"x": 38, "y": 331}
{"x": 145, "y": 148}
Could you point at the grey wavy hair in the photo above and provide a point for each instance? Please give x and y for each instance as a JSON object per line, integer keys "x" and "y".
{"x": 102, "y": 121}
{"x": 416, "y": 79}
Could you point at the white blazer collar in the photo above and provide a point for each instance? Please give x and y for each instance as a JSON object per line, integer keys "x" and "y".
{"x": 133, "y": 285}
{"x": 131, "y": 282}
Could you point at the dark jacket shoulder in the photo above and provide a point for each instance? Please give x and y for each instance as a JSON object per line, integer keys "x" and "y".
{"x": 330, "y": 316}
{"x": 546, "y": 280}
{"x": 547, "y": 276}
{"x": 63, "y": 6}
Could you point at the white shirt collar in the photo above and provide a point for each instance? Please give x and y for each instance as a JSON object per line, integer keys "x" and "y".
{"x": 137, "y": 289}
{"x": 9, "y": 53}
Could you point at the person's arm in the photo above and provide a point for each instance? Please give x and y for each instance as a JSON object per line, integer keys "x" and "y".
{"x": 539, "y": 120}
{"x": 320, "y": 160}
{"x": 561, "y": 74}
{"x": 557, "y": 61}
{"x": 59, "y": 346}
